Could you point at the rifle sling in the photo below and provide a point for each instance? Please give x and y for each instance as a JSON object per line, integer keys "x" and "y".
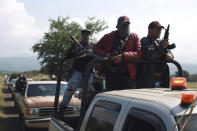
{"x": 119, "y": 47}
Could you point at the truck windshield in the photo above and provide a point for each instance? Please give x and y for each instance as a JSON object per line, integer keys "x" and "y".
{"x": 44, "y": 90}
{"x": 191, "y": 125}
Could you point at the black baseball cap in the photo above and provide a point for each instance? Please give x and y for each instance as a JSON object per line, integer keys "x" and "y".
{"x": 86, "y": 30}
{"x": 155, "y": 24}
{"x": 122, "y": 19}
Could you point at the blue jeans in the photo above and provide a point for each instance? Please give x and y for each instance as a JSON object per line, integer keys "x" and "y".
{"x": 75, "y": 82}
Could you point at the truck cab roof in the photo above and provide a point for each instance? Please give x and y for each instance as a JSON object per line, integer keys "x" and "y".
{"x": 161, "y": 96}
{"x": 45, "y": 82}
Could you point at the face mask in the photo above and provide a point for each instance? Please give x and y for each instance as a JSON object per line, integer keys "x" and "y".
{"x": 124, "y": 30}
{"x": 85, "y": 39}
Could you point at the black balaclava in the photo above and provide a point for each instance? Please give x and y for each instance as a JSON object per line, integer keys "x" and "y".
{"x": 123, "y": 26}
{"x": 124, "y": 30}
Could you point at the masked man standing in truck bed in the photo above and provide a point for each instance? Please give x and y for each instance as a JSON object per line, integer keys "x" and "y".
{"x": 120, "y": 45}
{"x": 153, "y": 49}
{"x": 79, "y": 65}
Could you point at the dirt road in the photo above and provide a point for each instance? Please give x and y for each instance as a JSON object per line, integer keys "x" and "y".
{"x": 11, "y": 120}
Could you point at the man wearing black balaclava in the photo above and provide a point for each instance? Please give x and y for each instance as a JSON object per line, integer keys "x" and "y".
{"x": 120, "y": 46}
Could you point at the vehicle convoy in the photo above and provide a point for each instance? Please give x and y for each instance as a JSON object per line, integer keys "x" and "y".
{"x": 35, "y": 103}
{"x": 152, "y": 109}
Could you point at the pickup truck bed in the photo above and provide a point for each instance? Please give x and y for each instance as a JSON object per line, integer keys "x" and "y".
{"x": 150, "y": 109}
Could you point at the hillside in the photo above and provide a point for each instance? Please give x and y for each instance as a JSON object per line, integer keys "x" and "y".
{"x": 18, "y": 64}
{"x": 191, "y": 68}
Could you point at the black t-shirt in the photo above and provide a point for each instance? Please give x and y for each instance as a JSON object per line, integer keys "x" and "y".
{"x": 79, "y": 63}
{"x": 121, "y": 68}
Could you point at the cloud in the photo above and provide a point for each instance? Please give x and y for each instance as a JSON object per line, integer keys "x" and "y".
{"x": 18, "y": 31}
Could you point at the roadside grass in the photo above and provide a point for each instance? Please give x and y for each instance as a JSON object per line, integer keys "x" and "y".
{"x": 1, "y": 102}
{"x": 191, "y": 84}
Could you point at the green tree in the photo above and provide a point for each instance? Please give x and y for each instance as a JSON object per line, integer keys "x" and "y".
{"x": 95, "y": 26}
{"x": 54, "y": 44}
{"x": 185, "y": 74}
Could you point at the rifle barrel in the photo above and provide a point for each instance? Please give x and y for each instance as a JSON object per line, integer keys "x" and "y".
{"x": 71, "y": 37}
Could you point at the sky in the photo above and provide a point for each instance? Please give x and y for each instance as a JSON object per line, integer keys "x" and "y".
{"x": 23, "y": 22}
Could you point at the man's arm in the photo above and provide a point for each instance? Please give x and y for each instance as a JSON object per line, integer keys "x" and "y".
{"x": 150, "y": 51}
{"x": 136, "y": 54}
{"x": 99, "y": 47}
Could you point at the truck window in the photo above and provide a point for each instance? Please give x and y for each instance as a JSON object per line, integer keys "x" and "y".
{"x": 103, "y": 116}
{"x": 44, "y": 90}
{"x": 139, "y": 120}
{"x": 191, "y": 125}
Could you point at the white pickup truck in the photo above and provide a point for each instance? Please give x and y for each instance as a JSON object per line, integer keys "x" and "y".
{"x": 151, "y": 109}
{"x": 157, "y": 109}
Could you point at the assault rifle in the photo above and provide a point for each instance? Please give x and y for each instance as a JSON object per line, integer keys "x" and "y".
{"x": 82, "y": 51}
{"x": 120, "y": 48}
{"x": 166, "y": 37}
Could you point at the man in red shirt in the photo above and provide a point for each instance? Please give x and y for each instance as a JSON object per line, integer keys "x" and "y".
{"x": 120, "y": 75}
